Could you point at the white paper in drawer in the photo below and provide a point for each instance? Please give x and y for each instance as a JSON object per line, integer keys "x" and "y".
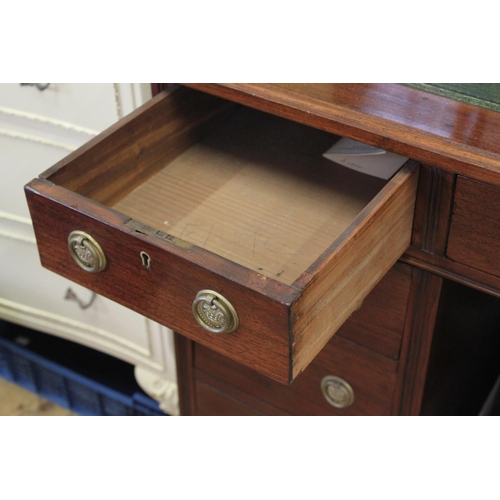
{"x": 367, "y": 159}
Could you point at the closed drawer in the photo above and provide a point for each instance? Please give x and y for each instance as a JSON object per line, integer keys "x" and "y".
{"x": 68, "y": 106}
{"x": 474, "y": 238}
{"x": 379, "y": 323}
{"x": 193, "y": 193}
{"x": 210, "y": 398}
{"x": 370, "y": 376}
{"x": 212, "y": 401}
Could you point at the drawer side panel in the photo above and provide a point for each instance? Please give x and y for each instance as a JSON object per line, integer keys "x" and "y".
{"x": 112, "y": 164}
{"x": 379, "y": 323}
{"x": 355, "y": 267}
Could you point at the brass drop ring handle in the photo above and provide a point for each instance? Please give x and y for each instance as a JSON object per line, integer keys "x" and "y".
{"x": 214, "y": 312}
{"x": 337, "y": 391}
{"x": 86, "y": 252}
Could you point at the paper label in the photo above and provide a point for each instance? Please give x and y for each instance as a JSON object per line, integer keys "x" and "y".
{"x": 367, "y": 159}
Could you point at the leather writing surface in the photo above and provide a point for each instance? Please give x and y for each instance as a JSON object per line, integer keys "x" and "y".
{"x": 484, "y": 95}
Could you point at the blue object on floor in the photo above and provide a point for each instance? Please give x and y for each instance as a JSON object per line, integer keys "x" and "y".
{"x": 76, "y": 377}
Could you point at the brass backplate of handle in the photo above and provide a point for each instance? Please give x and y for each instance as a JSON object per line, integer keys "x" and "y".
{"x": 86, "y": 252}
{"x": 337, "y": 391}
{"x": 214, "y": 312}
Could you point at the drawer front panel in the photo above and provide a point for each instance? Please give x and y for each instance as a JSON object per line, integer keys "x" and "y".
{"x": 371, "y": 376}
{"x": 379, "y": 323}
{"x": 211, "y": 402}
{"x": 215, "y": 398}
{"x": 474, "y": 238}
{"x": 166, "y": 291}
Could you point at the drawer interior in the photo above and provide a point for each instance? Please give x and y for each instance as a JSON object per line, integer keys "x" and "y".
{"x": 257, "y": 191}
{"x": 248, "y": 186}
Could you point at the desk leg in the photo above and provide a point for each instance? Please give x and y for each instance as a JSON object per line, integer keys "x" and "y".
{"x": 185, "y": 378}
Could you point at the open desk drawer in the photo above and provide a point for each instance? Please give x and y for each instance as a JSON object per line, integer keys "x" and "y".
{"x": 193, "y": 193}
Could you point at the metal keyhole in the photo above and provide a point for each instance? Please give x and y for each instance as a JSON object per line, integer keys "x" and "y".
{"x": 146, "y": 260}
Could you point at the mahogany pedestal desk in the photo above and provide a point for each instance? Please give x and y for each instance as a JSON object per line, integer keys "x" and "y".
{"x": 295, "y": 287}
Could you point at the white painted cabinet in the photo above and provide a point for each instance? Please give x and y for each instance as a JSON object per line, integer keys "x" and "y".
{"x": 38, "y": 128}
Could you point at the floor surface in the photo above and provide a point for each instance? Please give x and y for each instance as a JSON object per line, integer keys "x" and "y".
{"x": 17, "y": 401}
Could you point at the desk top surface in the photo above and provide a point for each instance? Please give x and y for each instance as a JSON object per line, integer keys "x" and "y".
{"x": 484, "y": 95}
{"x": 441, "y": 131}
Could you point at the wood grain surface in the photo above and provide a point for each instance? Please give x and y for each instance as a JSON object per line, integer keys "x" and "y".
{"x": 166, "y": 291}
{"x": 432, "y": 129}
{"x": 433, "y": 210}
{"x": 354, "y": 267}
{"x": 474, "y": 238}
{"x": 112, "y": 164}
{"x": 380, "y": 322}
{"x": 372, "y": 377}
{"x": 244, "y": 205}
{"x": 423, "y": 308}
{"x": 256, "y": 191}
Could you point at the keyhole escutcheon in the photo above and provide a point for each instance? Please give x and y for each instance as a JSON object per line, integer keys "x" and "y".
{"x": 146, "y": 260}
